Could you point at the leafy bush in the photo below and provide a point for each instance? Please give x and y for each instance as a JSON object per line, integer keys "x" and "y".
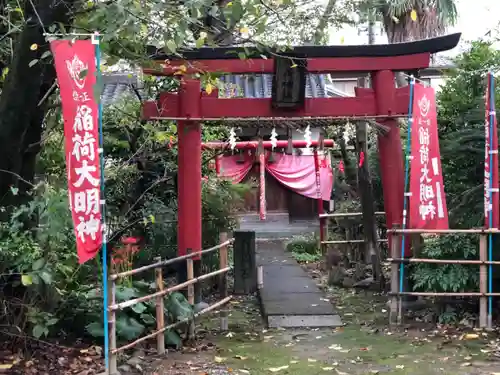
{"x": 304, "y": 248}
{"x": 448, "y": 277}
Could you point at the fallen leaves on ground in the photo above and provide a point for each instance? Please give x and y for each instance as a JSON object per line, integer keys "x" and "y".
{"x": 278, "y": 369}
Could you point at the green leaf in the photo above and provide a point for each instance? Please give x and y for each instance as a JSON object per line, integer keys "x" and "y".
{"x": 38, "y": 264}
{"x": 26, "y": 280}
{"x": 124, "y": 293}
{"x": 39, "y": 331}
{"x": 148, "y": 319}
{"x": 199, "y": 42}
{"x": 95, "y": 329}
{"x": 46, "y": 54}
{"x": 242, "y": 55}
{"x": 172, "y": 338}
{"x": 35, "y": 278}
{"x": 179, "y": 307}
{"x": 128, "y": 327}
{"x": 46, "y": 277}
{"x": 139, "y": 308}
{"x": 51, "y": 322}
{"x": 83, "y": 73}
{"x": 14, "y": 190}
{"x": 171, "y": 46}
{"x": 32, "y": 63}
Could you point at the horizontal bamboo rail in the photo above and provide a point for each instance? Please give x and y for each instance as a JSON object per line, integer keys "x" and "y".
{"x": 347, "y": 214}
{"x": 445, "y": 294}
{"x": 444, "y": 231}
{"x": 132, "y": 302}
{"x": 397, "y": 266}
{"x": 441, "y": 261}
{"x": 167, "y": 262}
{"x": 171, "y": 326}
{"x": 161, "y": 292}
{"x": 340, "y": 242}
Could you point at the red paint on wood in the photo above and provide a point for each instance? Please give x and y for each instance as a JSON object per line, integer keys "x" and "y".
{"x": 320, "y": 200}
{"x": 252, "y": 145}
{"x": 189, "y": 170}
{"x": 314, "y": 65}
{"x": 217, "y": 108}
{"x": 390, "y": 150}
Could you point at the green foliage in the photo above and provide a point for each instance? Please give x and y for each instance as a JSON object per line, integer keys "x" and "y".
{"x": 39, "y": 267}
{"x": 450, "y": 277}
{"x": 304, "y": 248}
{"x": 461, "y": 129}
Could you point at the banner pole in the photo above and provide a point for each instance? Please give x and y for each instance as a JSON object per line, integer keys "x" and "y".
{"x": 491, "y": 116}
{"x": 406, "y": 195}
{"x": 96, "y": 42}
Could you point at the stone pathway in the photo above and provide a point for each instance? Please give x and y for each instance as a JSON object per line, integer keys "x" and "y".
{"x": 290, "y": 297}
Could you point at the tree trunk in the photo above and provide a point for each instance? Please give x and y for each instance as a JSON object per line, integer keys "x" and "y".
{"x": 21, "y": 117}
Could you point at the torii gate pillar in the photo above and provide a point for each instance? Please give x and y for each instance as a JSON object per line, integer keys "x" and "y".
{"x": 390, "y": 148}
{"x": 391, "y": 154}
{"x": 189, "y": 178}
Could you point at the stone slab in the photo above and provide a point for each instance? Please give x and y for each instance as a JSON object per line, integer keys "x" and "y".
{"x": 295, "y": 304}
{"x": 290, "y": 297}
{"x": 297, "y": 321}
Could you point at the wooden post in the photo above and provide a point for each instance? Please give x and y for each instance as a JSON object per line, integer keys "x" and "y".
{"x": 190, "y": 276}
{"x": 223, "y": 263}
{"x": 395, "y": 254}
{"x": 483, "y": 281}
{"x": 190, "y": 290}
{"x": 260, "y": 277}
{"x": 113, "y": 357}
{"x": 160, "y": 310}
{"x": 245, "y": 266}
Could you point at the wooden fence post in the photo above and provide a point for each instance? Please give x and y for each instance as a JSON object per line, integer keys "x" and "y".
{"x": 245, "y": 265}
{"x": 223, "y": 263}
{"x": 160, "y": 310}
{"x": 190, "y": 276}
{"x": 483, "y": 281}
{"x": 113, "y": 357}
{"x": 190, "y": 290}
{"x": 395, "y": 254}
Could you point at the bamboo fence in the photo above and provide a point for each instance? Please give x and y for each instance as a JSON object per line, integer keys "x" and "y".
{"x": 161, "y": 291}
{"x": 325, "y": 218}
{"x": 396, "y": 314}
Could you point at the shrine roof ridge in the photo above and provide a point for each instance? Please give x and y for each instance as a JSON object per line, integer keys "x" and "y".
{"x": 431, "y": 45}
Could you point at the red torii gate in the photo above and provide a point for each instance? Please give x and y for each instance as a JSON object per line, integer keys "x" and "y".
{"x": 383, "y": 102}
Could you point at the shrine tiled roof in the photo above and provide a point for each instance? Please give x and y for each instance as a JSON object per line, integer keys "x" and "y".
{"x": 260, "y": 85}
{"x": 118, "y": 86}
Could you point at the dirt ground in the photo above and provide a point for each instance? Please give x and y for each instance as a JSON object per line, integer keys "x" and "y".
{"x": 365, "y": 345}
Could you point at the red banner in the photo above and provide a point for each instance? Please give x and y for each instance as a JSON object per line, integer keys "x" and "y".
{"x": 490, "y": 157}
{"x": 427, "y": 199}
{"x": 76, "y": 73}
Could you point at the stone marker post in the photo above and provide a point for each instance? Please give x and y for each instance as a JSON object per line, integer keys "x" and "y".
{"x": 245, "y": 267}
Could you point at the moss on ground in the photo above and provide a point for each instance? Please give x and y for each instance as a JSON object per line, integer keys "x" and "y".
{"x": 363, "y": 346}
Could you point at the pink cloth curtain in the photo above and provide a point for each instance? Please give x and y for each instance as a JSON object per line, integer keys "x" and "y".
{"x": 235, "y": 167}
{"x": 296, "y": 172}
{"x": 299, "y": 175}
